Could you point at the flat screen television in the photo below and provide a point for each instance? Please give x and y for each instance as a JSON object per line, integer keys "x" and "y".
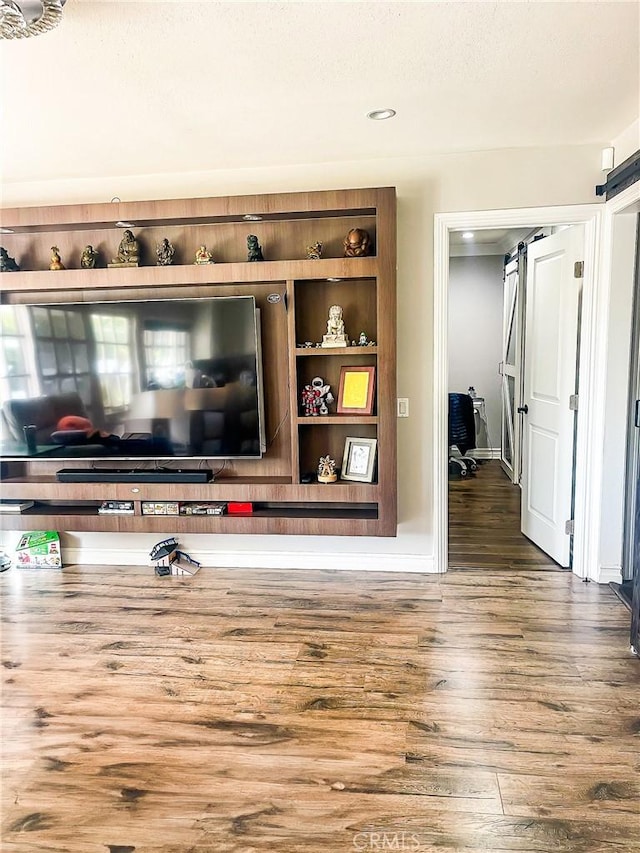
{"x": 121, "y": 380}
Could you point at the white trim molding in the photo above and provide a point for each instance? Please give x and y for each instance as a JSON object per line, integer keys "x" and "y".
{"x": 410, "y": 563}
{"x": 609, "y": 574}
{"x": 485, "y": 453}
{"x": 590, "y": 432}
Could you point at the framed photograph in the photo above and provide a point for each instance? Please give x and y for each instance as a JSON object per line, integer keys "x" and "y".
{"x": 355, "y": 394}
{"x": 358, "y": 462}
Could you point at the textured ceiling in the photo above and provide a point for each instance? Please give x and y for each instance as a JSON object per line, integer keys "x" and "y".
{"x": 143, "y": 87}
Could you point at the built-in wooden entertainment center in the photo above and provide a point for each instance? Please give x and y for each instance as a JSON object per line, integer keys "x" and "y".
{"x": 288, "y": 223}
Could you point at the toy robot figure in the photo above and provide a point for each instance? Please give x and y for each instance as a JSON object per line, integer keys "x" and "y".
{"x": 316, "y": 397}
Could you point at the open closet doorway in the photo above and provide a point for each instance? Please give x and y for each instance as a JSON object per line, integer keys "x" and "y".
{"x": 487, "y": 311}
{"x": 527, "y": 353}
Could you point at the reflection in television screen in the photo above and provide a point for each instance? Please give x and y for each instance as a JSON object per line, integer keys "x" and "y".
{"x": 122, "y": 379}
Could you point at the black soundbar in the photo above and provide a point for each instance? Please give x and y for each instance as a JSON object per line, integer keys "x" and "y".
{"x": 134, "y": 475}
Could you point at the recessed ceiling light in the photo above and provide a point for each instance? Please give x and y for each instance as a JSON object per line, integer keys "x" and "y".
{"x": 125, "y": 224}
{"x": 252, "y": 217}
{"x": 467, "y": 235}
{"x": 380, "y": 115}
{"x": 334, "y": 279}
{"x": 6, "y": 231}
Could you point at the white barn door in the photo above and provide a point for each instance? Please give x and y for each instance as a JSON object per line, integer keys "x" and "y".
{"x": 510, "y": 371}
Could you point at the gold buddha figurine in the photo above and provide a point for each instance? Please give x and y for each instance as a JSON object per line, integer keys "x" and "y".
{"x": 128, "y": 252}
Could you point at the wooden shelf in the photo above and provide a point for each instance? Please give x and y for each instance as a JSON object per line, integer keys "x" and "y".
{"x": 41, "y": 488}
{"x": 333, "y": 420}
{"x": 188, "y": 274}
{"x": 350, "y": 351}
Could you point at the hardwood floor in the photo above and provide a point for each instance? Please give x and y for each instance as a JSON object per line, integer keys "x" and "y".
{"x": 484, "y": 524}
{"x": 240, "y": 711}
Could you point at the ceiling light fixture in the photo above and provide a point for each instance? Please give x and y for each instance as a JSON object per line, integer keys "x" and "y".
{"x": 121, "y": 224}
{"x": 252, "y": 217}
{"x": 19, "y": 20}
{"x": 467, "y": 235}
{"x": 6, "y": 231}
{"x": 380, "y": 115}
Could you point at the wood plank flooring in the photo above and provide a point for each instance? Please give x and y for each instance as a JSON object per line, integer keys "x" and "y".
{"x": 484, "y": 524}
{"x": 243, "y": 711}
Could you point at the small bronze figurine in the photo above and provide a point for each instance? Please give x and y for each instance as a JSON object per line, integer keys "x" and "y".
{"x": 203, "y": 256}
{"x": 55, "y": 263}
{"x": 165, "y": 253}
{"x": 7, "y": 264}
{"x": 314, "y": 252}
{"x": 89, "y": 258}
{"x": 327, "y": 470}
{"x": 128, "y": 252}
{"x": 356, "y": 243}
{"x": 254, "y": 249}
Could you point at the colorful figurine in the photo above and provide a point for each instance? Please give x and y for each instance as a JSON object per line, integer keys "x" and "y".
{"x": 254, "y": 249}
{"x": 164, "y": 253}
{"x": 7, "y": 264}
{"x": 316, "y": 397}
{"x": 89, "y": 258}
{"x": 55, "y": 263}
{"x": 356, "y": 243}
{"x": 203, "y": 256}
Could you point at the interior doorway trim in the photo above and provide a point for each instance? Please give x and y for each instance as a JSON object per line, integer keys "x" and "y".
{"x": 592, "y": 370}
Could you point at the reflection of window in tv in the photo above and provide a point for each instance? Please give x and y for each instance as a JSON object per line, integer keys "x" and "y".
{"x": 166, "y": 353}
{"x": 18, "y": 373}
{"x": 114, "y": 363}
{"x": 61, "y": 345}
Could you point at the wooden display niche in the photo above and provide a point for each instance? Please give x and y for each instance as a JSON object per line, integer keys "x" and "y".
{"x": 364, "y": 287}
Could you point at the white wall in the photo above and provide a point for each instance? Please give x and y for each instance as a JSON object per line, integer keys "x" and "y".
{"x": 425, "y": 185}
{"x": 626, "y": 143}
{"x": 475, "y": 334}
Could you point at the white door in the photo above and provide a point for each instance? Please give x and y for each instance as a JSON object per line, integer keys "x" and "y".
{"x": 550, "y": 379}
{"x": 510, "y": 371}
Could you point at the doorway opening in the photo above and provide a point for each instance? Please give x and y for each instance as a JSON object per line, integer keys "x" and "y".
{"x": 486, "y": 319}
{"x": 586, "y": 508}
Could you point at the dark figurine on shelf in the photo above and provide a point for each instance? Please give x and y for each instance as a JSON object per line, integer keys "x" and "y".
{"x": 254, "y": 249}
{"x": 128, "y": 252}
{"x": 165, "y": 253}
{"x": 89, "y": 258}
{"x": 314, "y": 252}
{"x": 7, "y": 264}
{"x": 356, "y": 243}
{"x": 55, "y": 263}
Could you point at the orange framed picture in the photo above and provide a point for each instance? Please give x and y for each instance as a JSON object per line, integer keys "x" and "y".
{"x": 356, "y": 390}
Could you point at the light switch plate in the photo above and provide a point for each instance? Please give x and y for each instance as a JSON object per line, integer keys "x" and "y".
{"x": 403, "y": 407}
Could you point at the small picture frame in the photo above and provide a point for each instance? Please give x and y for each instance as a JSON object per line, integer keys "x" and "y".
{"x": 359, "y": 460}
{"x": 356, "y": 390}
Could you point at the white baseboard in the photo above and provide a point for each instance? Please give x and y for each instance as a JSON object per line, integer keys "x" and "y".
{"x": 415, "y": 563}
{"x": 482, "y": 453}
{"x": 609, "y": 574}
